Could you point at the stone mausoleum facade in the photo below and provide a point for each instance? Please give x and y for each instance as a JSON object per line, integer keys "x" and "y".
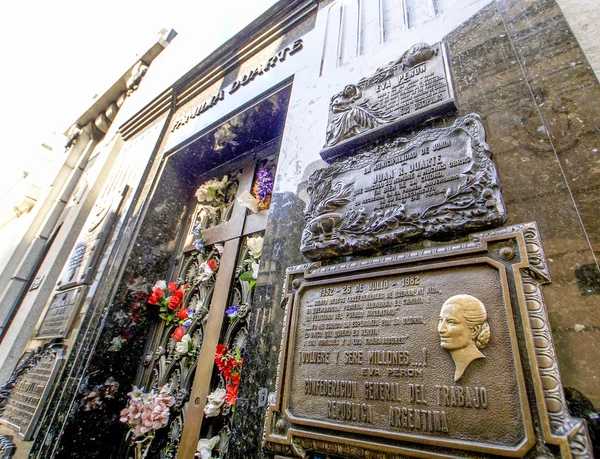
{"x": 359, "y": 228}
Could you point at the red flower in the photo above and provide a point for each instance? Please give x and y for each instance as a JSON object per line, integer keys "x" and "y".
{"x": 178, "y": 333}
{"x": 221, "y": 351}
{"x": 153, "y": 299}
{"x": 179, "y": 293}
{"x": 157, "y": 292}
{"x": 212, "y": 264}
{"x": 231, "y": 396}
{"x": 135, "y": 307}
{"x": 182, "y": 314}
{"x": 140, "y": 295}
{"x": 127, "y": 334}
{"x": 174, "y": 302}
{"x": 136, "y": 317}
{"x": 172, "y": 286}
{"x": 235, "y": 379}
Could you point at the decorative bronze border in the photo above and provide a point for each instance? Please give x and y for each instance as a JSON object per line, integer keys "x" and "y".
{"x": 529, "y": 271}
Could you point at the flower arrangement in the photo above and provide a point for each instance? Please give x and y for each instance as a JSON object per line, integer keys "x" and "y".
{"x": 168, "y": 298}
{"x": 210, "y": 193}
{"x": 145, "y": 414}
{"x": 93, "y": 398}
{"x": 260, "y": 197}
{"x": 229, "y": 365}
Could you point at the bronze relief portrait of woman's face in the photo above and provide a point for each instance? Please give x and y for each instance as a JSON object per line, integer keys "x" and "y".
{"x": 464, "y": 330}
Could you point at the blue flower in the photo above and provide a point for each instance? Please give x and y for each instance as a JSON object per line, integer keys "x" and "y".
{"x": 187, "y": 322}
{"x": 232, "y": 311}
{"x": 191, "y": 313}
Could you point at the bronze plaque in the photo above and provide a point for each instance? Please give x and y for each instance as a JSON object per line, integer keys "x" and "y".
{"x": 31, "y": 384}
{"x": 86, "y": 253}
{"x": 415, "y": 87}
{"x": 440, "y": 183}
{"x": 61, "y": 312}
{"x": 423, "y": 353}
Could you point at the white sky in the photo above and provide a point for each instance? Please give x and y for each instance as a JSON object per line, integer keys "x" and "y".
{"x": 58, "y": 53}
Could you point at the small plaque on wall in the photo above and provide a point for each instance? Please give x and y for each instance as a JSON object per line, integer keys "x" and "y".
{"x": 61, "y": 312}
{"x": 441, "y": 352}
{"x": 29, "y": 387}
{"x": 88, "y": 249}
{"x": 415, "y": 87}
{"x": 440, "y": 183}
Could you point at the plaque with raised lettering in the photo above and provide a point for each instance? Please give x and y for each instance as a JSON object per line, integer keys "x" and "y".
{"x": 60, "y": 313}
{"x": 86, "y": 252}
{"x": 440, "y": 183}
{"x": 431, "y": 353}
{"x": 29, "y": 387}
{"x": 415, "y": 87}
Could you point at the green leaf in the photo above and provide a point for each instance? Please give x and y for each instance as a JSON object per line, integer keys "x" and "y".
{"x": 247, "y": 276}
{"x": 163, "y": 316}
{"x": 252, "y": 284}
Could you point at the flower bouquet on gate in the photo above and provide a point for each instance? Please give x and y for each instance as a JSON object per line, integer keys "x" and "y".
{"x": 229, "y": 365}
{"x": 145, "y": 414}
{"x": 169, "y": 298}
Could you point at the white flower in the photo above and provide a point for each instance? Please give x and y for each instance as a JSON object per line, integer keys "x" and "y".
{"x": 215, "y": 402}
{"x": 161, "y": 284}
{"x": 206, "y": 272}
{"x": 205, "y": 447}
{"x": 116, "y": 344}
{"x": 255, "y": 246}
{"x": 207, "y": 192}
{"x": 183, "y": 346}
{"x": 248, "y": 201}
{"x": 255, "y": 270}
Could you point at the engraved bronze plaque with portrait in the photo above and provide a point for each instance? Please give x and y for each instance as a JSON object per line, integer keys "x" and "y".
{"x": 427, "y": 354}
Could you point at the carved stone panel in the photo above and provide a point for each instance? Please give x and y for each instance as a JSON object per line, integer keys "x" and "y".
{"x": 440, "y": 183}
{"x": 442, "y": 352}
{"x": 24, "y": 395}
{"x": 415, "y": 87}
{"x": 61, "y": 312}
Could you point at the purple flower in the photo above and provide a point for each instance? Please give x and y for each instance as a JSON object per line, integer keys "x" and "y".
{"x": 264, "y": 180}
{"x": 187, "y": 322}
{"x": 191, "y": 313}
{"x": 232, "y": 311}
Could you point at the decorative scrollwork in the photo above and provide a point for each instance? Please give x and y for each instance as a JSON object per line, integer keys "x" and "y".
{"x": 339, "y": 223}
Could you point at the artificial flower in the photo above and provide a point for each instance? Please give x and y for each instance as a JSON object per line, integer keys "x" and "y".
{"x": 209, "y": 191}
{"x": 172, "y": 286}
{"x": 178, "y": 333}
{"x": 174, "y": 301}
{"x": 231, "y": 393}
{"x": 255, "y": 246}
{"x": 264, "y": 184}
{"x": 255, "y": 267}
{"x": 183, "y": 313}
{"x": 212, "y": 264}
{"x": 232, "y": 311}
{"x": 161, "y": 285}
{"x": 153, "y": 299}
{"x": 183, "y": 346}
{"x": 215, "y": 402}
{"x": 187, "y": 322}
{"x": 205, "y": 447}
